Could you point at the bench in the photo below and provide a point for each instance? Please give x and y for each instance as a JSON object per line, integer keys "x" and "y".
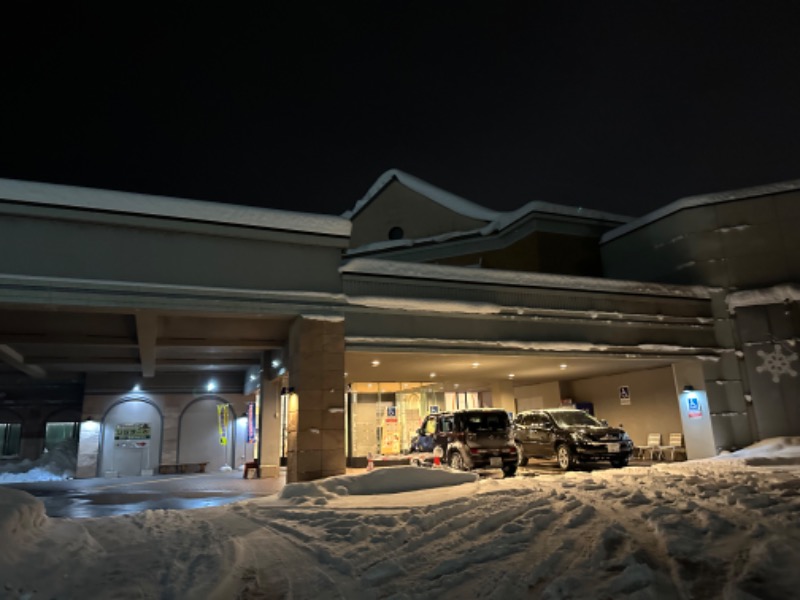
{"x": 182, "y": 468}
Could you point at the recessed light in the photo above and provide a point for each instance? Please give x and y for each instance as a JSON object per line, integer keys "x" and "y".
{"x": 562, "y": 366}
{"x": 475, "y": 365}
{"x": 511, "y": 376}
{"x": 432, "y": 375}
{"x": 375, "y": 363}
{"x": 212, "y": 385}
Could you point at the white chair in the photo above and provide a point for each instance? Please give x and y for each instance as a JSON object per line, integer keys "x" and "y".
{"x": 653, "y": 450}
{"x": 675, "y": 446}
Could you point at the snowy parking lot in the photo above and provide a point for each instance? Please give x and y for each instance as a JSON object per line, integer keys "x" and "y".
{"x": 720, "y": 528}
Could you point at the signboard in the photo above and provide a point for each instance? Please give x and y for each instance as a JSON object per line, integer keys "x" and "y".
{"x": 624, "y": 395}
{"x": 694, "y": 409}
{"x": 222, "y": 423}
{"x": 434, "y": 409}
{"x": 132, "y": 435}
{"x": 251, "y": 422}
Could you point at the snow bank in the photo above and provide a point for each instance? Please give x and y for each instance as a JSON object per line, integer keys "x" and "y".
{"x": 772, "y": 451}
{"x": 386, "y": 480}
{"x": 57, "y": 463}
{"x": 20, "y": 515}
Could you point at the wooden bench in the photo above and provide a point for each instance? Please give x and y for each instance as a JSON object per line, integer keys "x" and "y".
{"x": 182, "y": 468}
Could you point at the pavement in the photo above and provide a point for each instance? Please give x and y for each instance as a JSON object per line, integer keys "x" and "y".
{"x": 104, "y": 497}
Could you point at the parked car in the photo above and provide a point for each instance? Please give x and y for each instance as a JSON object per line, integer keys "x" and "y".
{"x": 479, "y": 438}
{"x": 571, "y": 436}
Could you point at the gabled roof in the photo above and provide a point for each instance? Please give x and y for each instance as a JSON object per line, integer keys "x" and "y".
{"x": 444, "y": 198}
{"x": 702, "y": 200}
{"x": 496, "y": 222}
{"x": 111, "y": 201}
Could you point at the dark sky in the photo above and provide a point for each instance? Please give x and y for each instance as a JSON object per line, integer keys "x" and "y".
{"x": 620, "y": 106}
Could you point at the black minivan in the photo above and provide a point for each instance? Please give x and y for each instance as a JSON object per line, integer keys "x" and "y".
{"x": 476, "y": 438}
{"x": 570, "y": 435}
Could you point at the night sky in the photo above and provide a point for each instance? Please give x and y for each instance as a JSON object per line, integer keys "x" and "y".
{"x": 619, "y": 106}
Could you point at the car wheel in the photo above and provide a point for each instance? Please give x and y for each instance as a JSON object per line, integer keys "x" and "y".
{"x": 509, "y": 470}
{"x": 620, "y": 462}
{"x": 457, "y": 461}
{"x": 522, "y": 460}
{"x": 566, "y": 457}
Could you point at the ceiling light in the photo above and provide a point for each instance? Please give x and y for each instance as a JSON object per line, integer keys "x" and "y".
{"x": 475, "y": 365}
{"x": 375, "y": 363}
{"x": 511, "y": 376}
{"x": 275, "y": 363}
{"x": 212, "y": 385}
{"x": 562, "y": 366}
{"x": 432, "y": 375}
{"x": 137, "y": 388}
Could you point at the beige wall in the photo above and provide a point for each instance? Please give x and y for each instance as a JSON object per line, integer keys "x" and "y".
{"x": 653, "y": 404}
{"x": 543, "y": 395}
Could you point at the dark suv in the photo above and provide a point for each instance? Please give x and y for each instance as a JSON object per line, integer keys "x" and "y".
{"x": 478, "y": 438}
{"x": 571, "y": 436}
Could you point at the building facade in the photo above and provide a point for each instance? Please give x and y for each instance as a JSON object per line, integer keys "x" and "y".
{"x": 170, "y": 332}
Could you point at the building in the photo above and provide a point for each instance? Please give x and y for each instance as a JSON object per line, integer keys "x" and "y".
{"x": 166, "y": 332}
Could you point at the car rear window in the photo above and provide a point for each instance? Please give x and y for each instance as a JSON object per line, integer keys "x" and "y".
{"x": 494, "y": 421}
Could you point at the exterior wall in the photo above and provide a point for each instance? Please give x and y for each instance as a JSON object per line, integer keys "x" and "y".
{"x": 653, "y": 404}
{"x": 418, "y": 216}
{"x": 769, "y": 335}
{"x": 541, "y": 252}
{"x": 544, "y": 395}
{"x": 212, "y": 257}
{"x": 743, "y": 244}
{"x": 315, "y": 423}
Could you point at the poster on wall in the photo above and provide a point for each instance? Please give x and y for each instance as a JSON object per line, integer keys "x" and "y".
{"x": 390, "y": 442}
{"x": 251, "y": 422}
{"x": 624, "y": 395}
{"x": 222, "y": 422}
{"x": 132, "y": 435}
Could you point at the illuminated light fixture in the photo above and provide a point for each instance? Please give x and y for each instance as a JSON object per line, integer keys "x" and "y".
{"x": 137, "y": 388}
{"x": 432, "y": 375}
{"x": 275, "y": 363}
{"x": 253, "y": 377}
{"x": 688, "y": 388}
{"x": 212, "y": 385}
{"x": 369, "y": 385}
{"x": 375, "y": 363}
{"x": 455, "y": 385}
{"x": 475, "y": 365}
{"x": 345, "y": 373}
{"x": 511, "y": 376}
{"x": 562, "y": 366}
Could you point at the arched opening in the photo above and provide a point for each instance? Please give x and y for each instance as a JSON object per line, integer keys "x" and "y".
{"x": 131, "y": 438}
{"x": 207, "y": 434}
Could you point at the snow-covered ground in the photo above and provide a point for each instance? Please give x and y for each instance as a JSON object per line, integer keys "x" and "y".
{"x": 728, "y": 528}
{"x": 57, "y": 463}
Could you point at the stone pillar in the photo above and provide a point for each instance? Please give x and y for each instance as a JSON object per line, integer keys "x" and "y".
{"x": 315, "y": 427}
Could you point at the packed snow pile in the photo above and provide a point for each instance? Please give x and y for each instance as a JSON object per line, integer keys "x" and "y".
{"x": 712, "y": 529}
{"x": 381, "y": 481}
{"x": 57, "y": 462}
{"x": 21, "y": 515}
{"x": 772, "y": 451}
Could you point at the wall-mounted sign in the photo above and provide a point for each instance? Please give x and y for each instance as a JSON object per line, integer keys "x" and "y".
{"x": 251, "y": 422}
{"x": 694, "y": 409}
{"x": 434, "y": 409}
{"x": 624, "y": 395}
{"x": 132, "y": 435}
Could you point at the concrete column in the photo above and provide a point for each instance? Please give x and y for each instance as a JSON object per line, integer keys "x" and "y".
{"x": 315, "y": 426}
{"x": 270, "y": 426}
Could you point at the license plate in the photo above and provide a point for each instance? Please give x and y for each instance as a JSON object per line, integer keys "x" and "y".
{"x": 613, "y": 447}
{"x": 496, "y": 461}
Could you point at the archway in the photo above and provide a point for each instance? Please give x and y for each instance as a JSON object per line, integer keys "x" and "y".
{"x": 131, "y": 438}
{"x": 207, "y": 433}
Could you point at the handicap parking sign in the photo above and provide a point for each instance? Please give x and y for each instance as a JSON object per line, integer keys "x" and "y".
{"x": 693, "y": 408}
{"x": 391, "y": 411}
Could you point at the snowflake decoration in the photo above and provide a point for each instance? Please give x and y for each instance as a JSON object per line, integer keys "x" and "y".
{"x": 777, "y": 363}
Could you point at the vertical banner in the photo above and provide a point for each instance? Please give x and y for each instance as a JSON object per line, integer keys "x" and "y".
{"x": 222, "y": 422}
{"x": 251, "y": 422}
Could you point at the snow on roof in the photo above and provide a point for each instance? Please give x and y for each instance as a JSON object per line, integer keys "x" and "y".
{"x": 702, "y": 200}
{"x": 496, "y": 221}
{"x": 517, "y": 278}
{"x": 48, "y": 194}
{"x": 773, "y": 295}
{"x": 455, "y": 203}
